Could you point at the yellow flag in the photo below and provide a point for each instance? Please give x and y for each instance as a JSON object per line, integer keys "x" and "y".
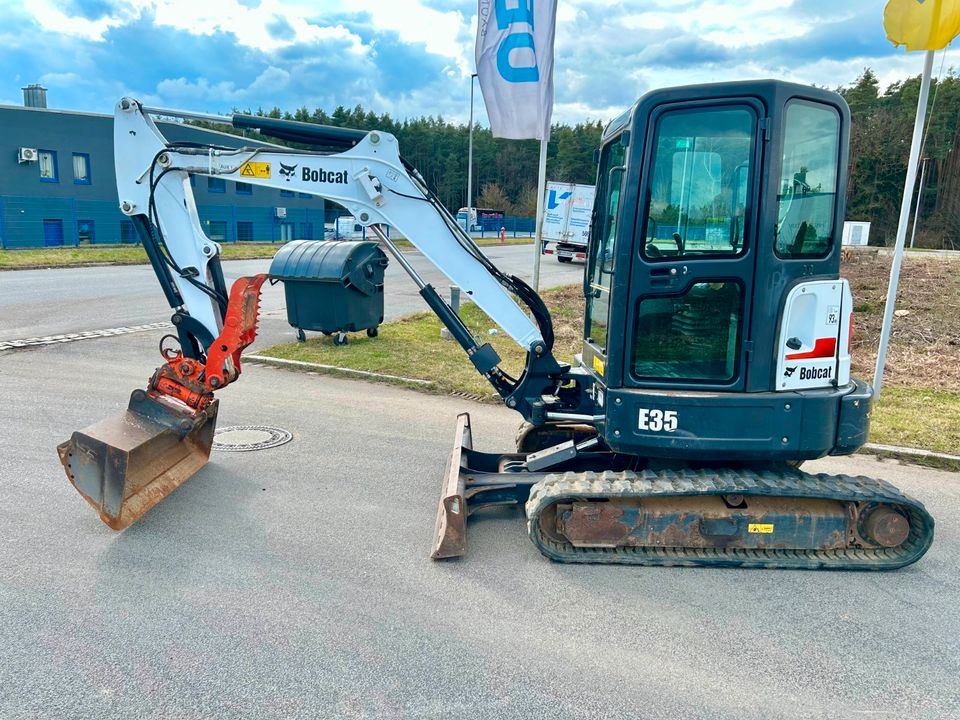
{"x": 922, "y": 24}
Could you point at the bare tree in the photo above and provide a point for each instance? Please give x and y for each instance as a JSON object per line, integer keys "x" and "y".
{"x": 493, "y": 197}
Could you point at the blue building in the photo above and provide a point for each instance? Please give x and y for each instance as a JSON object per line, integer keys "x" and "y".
{"x": 58, "y": 186}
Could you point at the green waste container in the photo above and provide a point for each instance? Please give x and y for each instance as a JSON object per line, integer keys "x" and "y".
{"x": 332, "y": 286}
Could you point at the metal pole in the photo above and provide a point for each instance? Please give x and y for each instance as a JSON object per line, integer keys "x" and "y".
{"x": 908, "y": 186}
{"x": 916, "y": 213}
{"x": 470, "y": 157}
{"x": 538, "y": 234}
{"x": 395, "y": 251}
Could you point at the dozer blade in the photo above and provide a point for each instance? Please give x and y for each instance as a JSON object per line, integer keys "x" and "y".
{"x": 126, "y": 464}
{"x": 473, "y": 481}
{"x": 450, "y": 536}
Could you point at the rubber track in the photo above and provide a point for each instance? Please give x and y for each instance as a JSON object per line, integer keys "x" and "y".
{"x": 571, "y": 486}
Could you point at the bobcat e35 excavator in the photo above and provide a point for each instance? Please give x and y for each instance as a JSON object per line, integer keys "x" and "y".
{"x": 716, "y": 338}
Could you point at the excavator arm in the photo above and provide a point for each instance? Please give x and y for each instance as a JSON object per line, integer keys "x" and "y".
{"x": 369, "y": 179}
{"x": 125, "y": 465}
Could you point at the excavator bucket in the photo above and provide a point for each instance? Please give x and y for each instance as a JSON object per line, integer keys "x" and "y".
{"x": 126, "y": 464}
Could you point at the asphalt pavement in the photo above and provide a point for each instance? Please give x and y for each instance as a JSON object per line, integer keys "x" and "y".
{"x": 294, "y": 582}
{"x": 38, "y": 303}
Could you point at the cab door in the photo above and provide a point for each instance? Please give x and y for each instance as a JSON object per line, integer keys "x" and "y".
{"x": 693, "y": 263}
{"x": 601, "y": 260}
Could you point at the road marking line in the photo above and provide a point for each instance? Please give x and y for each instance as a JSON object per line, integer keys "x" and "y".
{"x": 85, "y": 335}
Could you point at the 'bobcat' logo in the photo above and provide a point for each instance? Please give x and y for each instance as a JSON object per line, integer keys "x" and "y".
{"x": 287, "y": 171}
{"x": 789, "y": 371}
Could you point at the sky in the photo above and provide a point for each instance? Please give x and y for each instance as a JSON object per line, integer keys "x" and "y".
{"x": 415, "y": 57}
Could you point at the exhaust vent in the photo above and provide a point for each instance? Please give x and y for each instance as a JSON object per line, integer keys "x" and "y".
{"x": 35, "y": 96}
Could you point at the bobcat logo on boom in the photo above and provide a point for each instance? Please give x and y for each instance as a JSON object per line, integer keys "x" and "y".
{"x": 287, "y": 171}
{"x": 323, "y": 176}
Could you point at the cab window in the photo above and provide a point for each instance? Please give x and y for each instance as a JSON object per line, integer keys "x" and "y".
{"x": 808, "y": 183}
{"x": 697, "y": 196}
{"x": 689, "y": 337}
{"x": 603, "y": 242}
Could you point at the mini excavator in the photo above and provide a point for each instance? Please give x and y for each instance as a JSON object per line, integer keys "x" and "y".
{"x": 716, "y": 336}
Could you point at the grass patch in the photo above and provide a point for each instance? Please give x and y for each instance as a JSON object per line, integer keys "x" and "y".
{"x": 412, "y": 347}
{"x": 58, "y": 257}
{"x": 113, "y": 255}
{"x": 917, "y": 417}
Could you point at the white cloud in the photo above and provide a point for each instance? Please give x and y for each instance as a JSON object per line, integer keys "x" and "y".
{"x": 279, "y": 51}
{"x": 414, "y": 22}
{"x": 60, "y": 79}
{"x": 729, "y": 23}
{"x": 250, "y": 25}
{"x": 53, "y": 18}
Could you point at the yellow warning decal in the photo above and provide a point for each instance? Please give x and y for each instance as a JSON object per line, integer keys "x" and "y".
{"x": 255, "y": 170}
{"x": 760, "y": 528}
{"x": 598, "y": 364}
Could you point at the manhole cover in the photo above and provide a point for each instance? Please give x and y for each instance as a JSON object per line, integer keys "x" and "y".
{"x": 243, "y": 438}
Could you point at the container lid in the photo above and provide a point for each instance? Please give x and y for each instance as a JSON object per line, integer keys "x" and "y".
{"x": 323, "y": 260}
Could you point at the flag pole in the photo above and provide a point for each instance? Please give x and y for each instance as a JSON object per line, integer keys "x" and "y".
{"x": 541, "y": 191}
{"x": 916, "y": 212}
{"x": 908, "y": 187}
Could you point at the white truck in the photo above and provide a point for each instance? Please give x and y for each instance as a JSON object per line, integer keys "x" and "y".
{"x": 566, "y": 221}
{"x": 346, "y": 227}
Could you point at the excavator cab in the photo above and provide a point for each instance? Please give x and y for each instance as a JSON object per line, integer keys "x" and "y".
{"x": 716, "y": 323}
{"x": 715, "y": 360}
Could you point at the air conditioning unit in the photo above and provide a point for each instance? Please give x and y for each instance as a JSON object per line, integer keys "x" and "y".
{"x": 26, "y": 155}
{"x": 855, "y": 233}
{"x": 280, "y": 213}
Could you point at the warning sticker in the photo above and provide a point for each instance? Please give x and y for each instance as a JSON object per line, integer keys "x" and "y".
{"x": 255, "y": 170}
{"x": 760, "y": 528}
{"x": 598, "y": 365}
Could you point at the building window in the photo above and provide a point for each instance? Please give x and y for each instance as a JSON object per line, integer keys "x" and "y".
{"x": 85, "y": 232}
{"x": 81, "y": 169}
{"x": 306, "y": 196}
{"x": 193, "y": 181}
{"x": 217, "y": 229}
{"x": 47, "y": 160}
{"x": 216, "y": 185}
{"x": 244, "y": 231}
{"x": 127, "y": 234}
{"x": 244, "y": 188}
{"x": 306, "y": 231}
{"x": 286, "y": 232}
{"x": 287, "y": 193}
